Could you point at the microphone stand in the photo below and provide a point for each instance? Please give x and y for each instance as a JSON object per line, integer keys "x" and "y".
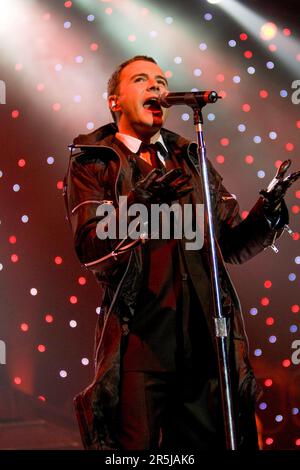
{"x": 219, "y": 319}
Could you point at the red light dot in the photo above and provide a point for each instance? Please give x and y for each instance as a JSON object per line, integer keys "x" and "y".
{"x": 277, "y": 163}
{"x": 295, "y": 209}
{"x": 270, "y": 321}
{"x": 108, "y": 11}
{"x": 14, "y": 258}
{"x": 286, "y": 31}
{"x": 58, "y": 260}
{"x": 224, "y": 141}
{"x": 268, "y": 383}
{"x": 73, "y": 299}
{"x": 263, "y": 93}
{"x": 144, "y": 11}
{"x": 298, "y": 124}
{"x": 168, "y": 74}
{"x": 24, "y": 327}
{"x": 41, "y": 348}
{"x": 222, "y": 93}
{"x": 220, "y": 77}
{"x": 12, "y": 239}
{"x": 246, "y": 107}
{"x": 94, "y": 46}
{"x": 82, "y": 280}
{"x": 68, "y": 4}
{"x": 249, "y": 159}
{"x": 46, "y": 16}
{"x": 297, "y": 442}
{"x": 243, "y": 36}
{"x": 220, "y": 159}
{"x": 21, "y": 162}
{"x": 42, "y": 398}
{"x": 297, "y": 194}
{"x": 268, "y": 284}
{"x": 265, "y": 301}
{"x": 17, "y": 380}
{"x": 272, "y": 47}
{"x": 269, "y": 441}
{"x": 60, "y": 184}
{"x": 56, "y": 107}
{"x": 248, "y": 54}
{"x": 286, "y": 363}
{"x": 289, "y": 146}
{"x": 295, "y": 308}
{"x": 244, "y": 214}
{"x": 131, "y": 38}
{"x": 296, "y": 235}
{"x": 18, "y": 67}
{"x": 15, "y": 114}
{"x": 40, "y": 87}
{"x": 48, "y": 318}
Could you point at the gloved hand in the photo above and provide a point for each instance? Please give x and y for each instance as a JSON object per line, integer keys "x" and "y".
{"x": 159, "y": 188}
{"x": 274, "y": 194}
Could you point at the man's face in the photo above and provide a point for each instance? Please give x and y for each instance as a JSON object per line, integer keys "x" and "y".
{"x": 140, "y": 115}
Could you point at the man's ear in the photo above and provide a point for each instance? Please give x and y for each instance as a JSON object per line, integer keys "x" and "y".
{"x": 113, "y": 103}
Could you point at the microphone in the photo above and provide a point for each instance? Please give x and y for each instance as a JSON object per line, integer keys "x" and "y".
{"x": 189, "y": 98}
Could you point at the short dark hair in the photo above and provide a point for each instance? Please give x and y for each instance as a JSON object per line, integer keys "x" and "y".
{"x": 114, "y": 80}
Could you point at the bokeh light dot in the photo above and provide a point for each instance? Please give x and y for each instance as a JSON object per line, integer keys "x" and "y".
{"x": 263, "y": 93}
{"x": 21, "y": 163}
{"x": 24, "y": 219}
{"x": 269, "y": 441}
{"x": 50, "y": 160}
{"x": 236, "y": 79}
{"x": 283, "y": 93}
{"x": 73, "y": 299}
{"x": 253, "y": 311}
{"x": 85, "y": 361}
{"x": 67, "y": 24}
{"x": 33, "y": 291}
{"x": 293, "y": 328}
{"x": 58, "y": 260}
{"x": 16, "y": 188}
{"x": 73, "y": 323}
{"x": 295, "y": 308}
{"x": 248, "y": 54}
{"x": 268, "y": 284}
{"x": 243, "y": 36}
{"x": 177, "y": 60}
{"x": 185, "y": 116}
{"x": 60, "y": 184}
{"x": 246, "y": 107}
{"x": 17, "y": 380}
{"x": 131, "y": 38}
{"x": 197, "y": 72}
{"x": 14, "y": 258}
{"x": 241, "y": 127}
{"x": 292, "y": 277}
{"x": 211, "y": 116}
{"x": 261, "y": 174}
{"x": 15, "y": 114}
{"x": 90, "y": 126}
{"x": 82, "y": 280}
{"x": 108, "y": 10}
{"x": 56, "y": 106}
{"x": 63, "y": 373}
{"x": 90, "y": 18}
{"x": 208, "y": 16}
{"x": 49, "y": 318}
{"x": 249, "y": 159}
{"x": 295, "y": 411}
{"x": 257, "y": 139}
{"x": 220, "y": 159}
{"x": 169, "y": 20}
{"x": 168, "y": 74}
{"x": 273, "y": 135}
{"x": 297, "y": 260}
{"x": 94, "y": 46}
{"x": 224, "y": 141}
{"x": 289, "y": 146}
{"x": 202, "y": 46}
{"x": 286, "y": 363}
{"x": 41, "y": 348}
{"x": 12, "y": 239}
{"x": 265, "y": 301}
{"x": 257, "y": 352}
{"x": 24, "y": 327}
{"x": 268, "y": 383}
{"x": 270, "y": 65}
{"x": 272, "y": 339}
{"x": 270, "y": 321}
{"x": 278, "y": 418}
{"x": 251, "y": 70}
{"x": 263, "y": 406}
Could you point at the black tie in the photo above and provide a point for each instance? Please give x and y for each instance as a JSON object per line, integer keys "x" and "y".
{"x": 151, "y": 150}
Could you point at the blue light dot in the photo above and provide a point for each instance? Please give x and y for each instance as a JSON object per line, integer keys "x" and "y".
{"x": 293, "y": 328}
{"x": 208, "y": 16}
{"x": 295, "y": 411}
{"x": 283, "y": 93}
{"x": 90, "y": 17}
{"x": 185, "y": 116}
{"x": 273, "y": 135}
{"x": 202, "y": 46}
{"x": 90, "y": 125}
{"x": 178, "y": 60}
{"x": 257, "y": 352}
{"x": 262, "y": 405}
{"x": 253, "y": 311}
{"x": 236, "y": 79}
{"x": 292, "y": 277}
{"x": 279, "y": 418}
{"x": 50, "y": 160}
{"x": 261, "y": 174}
{"x": 24, "y": 219}
{"x": 79, "y": 59}
{"x": 251, "y": 70}
{"x": 270, "y": 65}
{"x": 232, "y": 43}
{"x": 211, "y": 117}
{"x": 241, "y": 127}
{"x": 77, "y": 98}
{"x": 272, "y": 339}
{"x": 16, "y": 188}
{"x": 257, "y": 139}
{"x": 297, "y": 260}
{"x": 169, "y": 20}
{"x": 67, "y": 24}
{"x": 197, "y": 72}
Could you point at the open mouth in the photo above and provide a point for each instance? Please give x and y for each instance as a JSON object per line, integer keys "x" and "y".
{"x": 153, "y": 105}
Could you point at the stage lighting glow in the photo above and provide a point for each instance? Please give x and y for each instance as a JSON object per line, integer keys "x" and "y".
{"x": 12, "y": 239}
{"x": 220, "y": 159}
{"x": 249, "y": 159}
{"x": 241, "y": 127}
{"x": 185, "y": 116}
{"x": 49, "y": 318}
{"x": 289, "y": 147}
{"x": 251, "y": 70}
{"x": 24, "y": 219}
{"x": 253, "y": 311}
{"x": 24, "y": 327}
{"x": 278, "y": 418}
{"x": 269, "y": 441}
{"x": 270, "y": 321}
{"x": 16, "y": 188}
{"x": 293, "y": 328}
{"x": 261, "y": 174}
{"x": 58, "y": 260}
{"x": 85, "y": 361}
{"x": 21, "y": 163}
{"x": 257, "y": 140}
{"x": 208, "y": 16}
{"x": 17, "y": 380}
{"x": 63, "y": 373}
{"x": 262, "y": 406}
{"x": 295, "y": 308}
{"x": 248, "y": 54}
{"x": 197, "y": 72}
{"x": 295, "y": 411}
{"x": 82, "y": 280}
{"x": 41, "y": 348}
{"x": 258, "y": 352}
{"x": 268, "y": 383}
{"x": 15, "y": 114}
{"x": 265, "y": 301}
{"x": 292, "y": 277}
{"x": 73, "y": 323}
{"x": 33, "y": 291}
{"x": 50, "y": 160}
{"x": 246, "y": 107}
{"x": 268, "y": 31}
{"x": 73, "y": 299}
{"x": 211, "y": 116}
{"x": 270, "y": 65}
{"x": 236, "y": 79}
{"x": 268, "y": 284}
{"x": 286, "y": 363}
{"x": 232, "y": 43}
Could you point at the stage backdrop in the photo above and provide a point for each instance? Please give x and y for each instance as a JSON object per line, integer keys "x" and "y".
{"x": 56, "y": 58}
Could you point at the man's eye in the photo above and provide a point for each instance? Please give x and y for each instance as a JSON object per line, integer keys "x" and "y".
{"x": 139, "y": 79}
{"x": 162, "y": 82}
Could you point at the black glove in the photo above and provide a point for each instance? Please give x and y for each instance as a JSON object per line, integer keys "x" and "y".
{"x": 274, "y": 194}
{"x": 158, "y": 188}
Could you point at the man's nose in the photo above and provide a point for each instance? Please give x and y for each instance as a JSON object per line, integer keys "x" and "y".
{"x": 153, "y": 85}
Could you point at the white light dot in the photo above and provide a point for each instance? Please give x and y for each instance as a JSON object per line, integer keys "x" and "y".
{"x": 178, "y": 60}
{"x": 79, "y": 59}
{"x": 272, "y": 339}
{"x": 50, "y": 160}
{"x": 232, "y": 43}
{"x": 90, "y": 17}
{"x": 241, "y": 127}
{"x": 1, "y": 266}
{"x": 211, "y": 117}
{"x": 98, "y": 310}
{"x": 279, "y": 418}
{"x": 169, "y": 20}
{"x": 85, "y": 361}
{"x": 283, "y": 93}
{"x": 292, "y": 277}
{"x": 67, "y": 24}
{"x": 236, "y": 79}
{"x": 16, "y": 188}
{"x": 253, "y": 311}
{"x": 77, "y": 98}
{"x": 273, "y": 135}
{"x": 33, "y": 291}
{"x": 63, "y": 373}
{"x": 270, "y": 65}
{"x": 208, "y": 16}
{"x": 197, "y": 72}
{"x": 73, "y": 323}
{"x": 257, "y": 139}
{"x": 202, "y": 46}
{"x": 185, "y": 116}
{"x": 153, "y": 34}
{"x": 90, "y": 125}
{"x": 105, "y": 95}
{"x": 297, "y": 260}
{"x": 58, "y": 67}
{"x": 258, "y": 352}
{"x": 24, "y": 219}
{"x": 251, "y": 70}
{"x": 261, "y": 174}
{"x": 1, "y": 174}
{"x": 195, "y": 89}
